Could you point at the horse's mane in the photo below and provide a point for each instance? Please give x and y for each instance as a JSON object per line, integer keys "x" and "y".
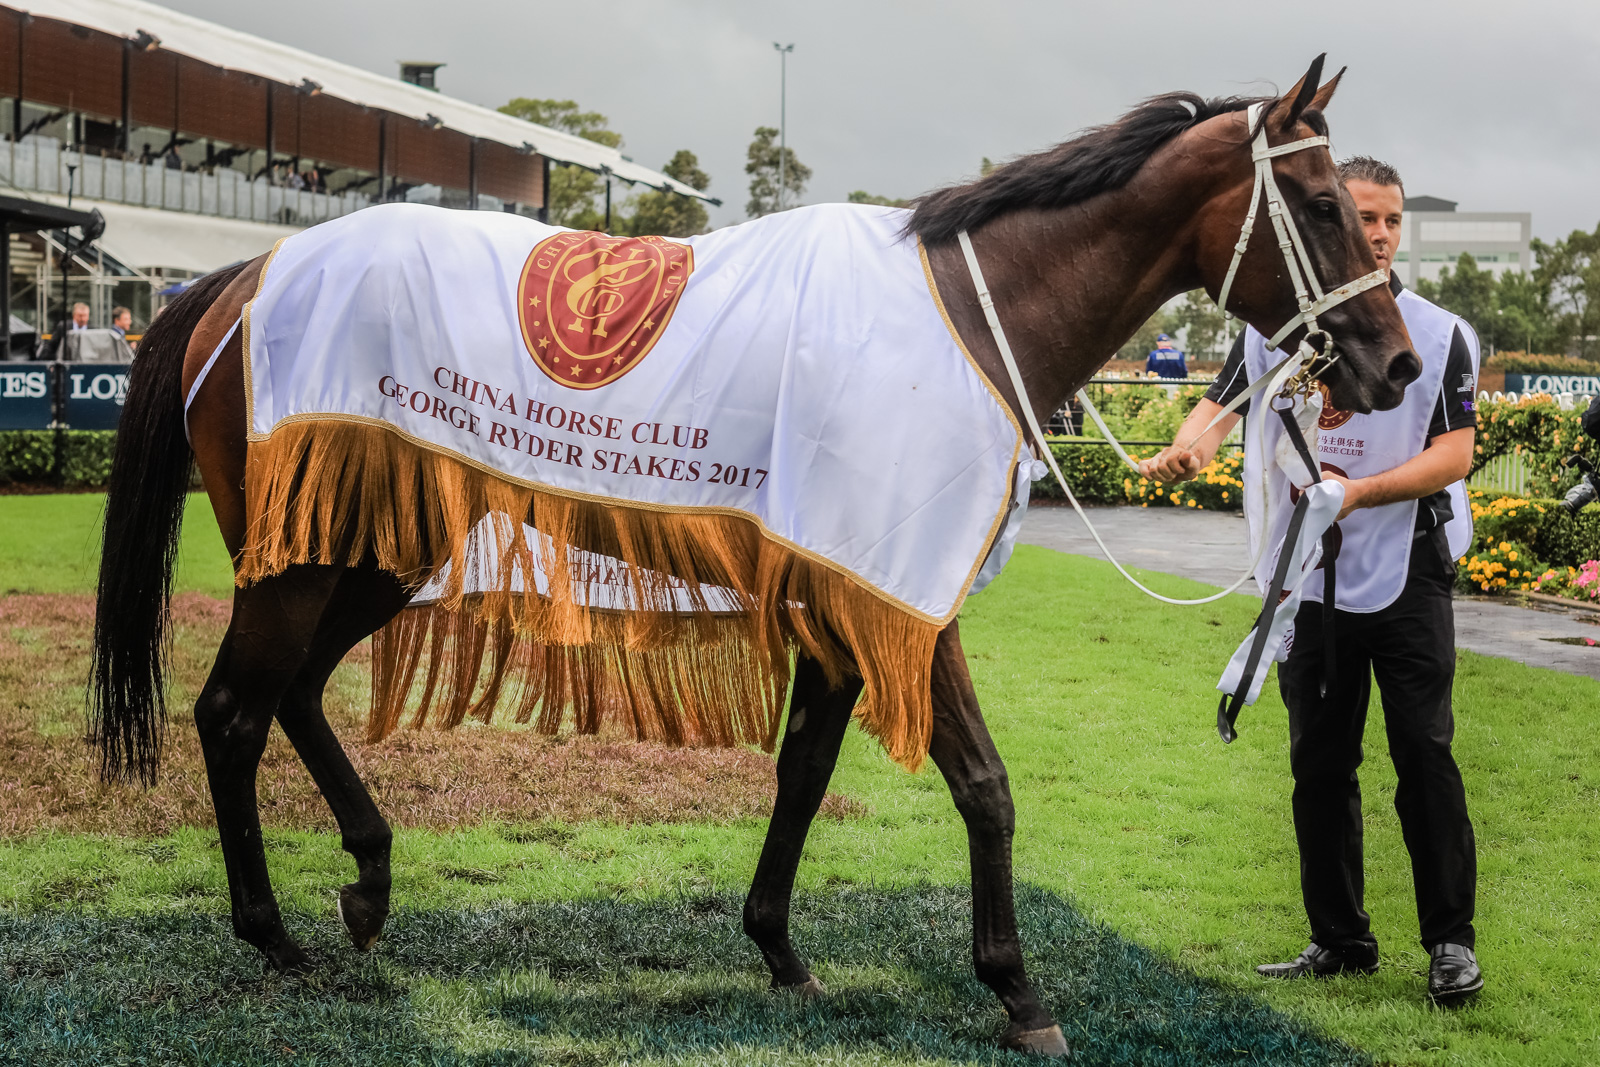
{"x": 1099, "y": 160}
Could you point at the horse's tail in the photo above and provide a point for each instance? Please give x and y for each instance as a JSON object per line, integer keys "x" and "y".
{"x": 150, "y": 474}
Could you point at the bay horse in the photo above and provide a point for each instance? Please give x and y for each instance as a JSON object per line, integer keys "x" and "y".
{"x": 1081, "y": 242}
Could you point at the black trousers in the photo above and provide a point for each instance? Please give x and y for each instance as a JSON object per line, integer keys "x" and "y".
{"x": 1410, "y": 647}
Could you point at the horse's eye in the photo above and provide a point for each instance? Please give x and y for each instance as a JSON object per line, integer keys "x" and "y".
{"x": 1324, "y": 210}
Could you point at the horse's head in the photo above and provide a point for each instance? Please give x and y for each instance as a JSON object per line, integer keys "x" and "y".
{"x": 1373, "y": 360}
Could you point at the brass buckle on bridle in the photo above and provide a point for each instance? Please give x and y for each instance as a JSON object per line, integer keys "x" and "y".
{"x": 1304, "y": 380}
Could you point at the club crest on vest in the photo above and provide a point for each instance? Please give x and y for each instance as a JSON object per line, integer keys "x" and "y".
{"x": 592, "y": 306}
{"x": 1331, "y": 418}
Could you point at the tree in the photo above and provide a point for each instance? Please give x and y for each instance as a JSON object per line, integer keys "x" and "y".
{"x": 574, "y": 192}
{"x": 672, "y": 214}
{"x": 1203, "y": 324}
{"x": 861, "y": 196}
{"x": 1571, "y": 270}
{"x": 566, "y": 116}
{"x": 1511, "y": 311}
{"x": 762, "y": 164}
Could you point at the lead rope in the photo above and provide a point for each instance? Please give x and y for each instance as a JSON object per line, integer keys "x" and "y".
{"x": 1279, "y": 374}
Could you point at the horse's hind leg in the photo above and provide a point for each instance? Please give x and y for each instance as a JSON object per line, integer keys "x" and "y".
{"x": 364, "y": 600}
{"x": 265, "y": 647}
{"x": 818, "y": 717}
{"x": 966, "y": 756}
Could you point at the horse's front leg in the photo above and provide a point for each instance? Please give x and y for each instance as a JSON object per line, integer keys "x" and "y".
{"x": 966, "y": 756}
{"x": 818, "y": 718}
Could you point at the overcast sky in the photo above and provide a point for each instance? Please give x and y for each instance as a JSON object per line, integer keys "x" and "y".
{"x": 1493, "y": 104}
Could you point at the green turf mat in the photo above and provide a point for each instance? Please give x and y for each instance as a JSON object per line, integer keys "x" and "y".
{"x": 601, "y": 981}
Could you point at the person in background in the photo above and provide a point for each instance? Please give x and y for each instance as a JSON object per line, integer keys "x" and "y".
{"x": 57, "y": 346}
{"x": 1165, "y": 360}
{"x": 121, "y": 323}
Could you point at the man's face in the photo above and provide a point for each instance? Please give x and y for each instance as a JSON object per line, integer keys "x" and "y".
{"x": 123, "y": 321}
{"x": 80, "y": 316}
{"x": 1380, "y": 207}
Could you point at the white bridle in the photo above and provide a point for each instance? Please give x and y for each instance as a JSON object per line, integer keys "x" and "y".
{"x": 1308, "y": 292}
{"x": 1295, "y": 368}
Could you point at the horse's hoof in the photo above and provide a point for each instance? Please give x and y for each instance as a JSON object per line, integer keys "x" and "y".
{"x": 1046, "y": 1042}
{"x": 811, "y": 989}
{"x": 362, "y": 919}
{"x": 287, "y": 957}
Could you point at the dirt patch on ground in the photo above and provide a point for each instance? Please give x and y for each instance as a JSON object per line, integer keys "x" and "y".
{"x": 423, "y": 779}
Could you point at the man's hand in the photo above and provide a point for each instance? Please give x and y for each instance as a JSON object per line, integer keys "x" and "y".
{"x": 1171, "y": 465}
{"x": 1353, "y": 491}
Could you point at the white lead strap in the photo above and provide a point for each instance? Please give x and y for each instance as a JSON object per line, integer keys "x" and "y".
{"x": 987, "y": 303}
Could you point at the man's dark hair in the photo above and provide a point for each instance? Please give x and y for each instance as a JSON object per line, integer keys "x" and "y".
{"x": 117, "y": 313}
{"x": 1367, "y": 169}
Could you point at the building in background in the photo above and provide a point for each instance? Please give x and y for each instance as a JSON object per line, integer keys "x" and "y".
{"x": 1433, "y": 234}
{"x": 202, "y": 146}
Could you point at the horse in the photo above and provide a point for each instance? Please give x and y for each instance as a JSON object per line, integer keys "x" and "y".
{"x": 1081, "y": 243}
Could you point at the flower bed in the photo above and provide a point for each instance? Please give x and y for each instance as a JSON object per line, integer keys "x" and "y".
{"x": 1531, "y": 546}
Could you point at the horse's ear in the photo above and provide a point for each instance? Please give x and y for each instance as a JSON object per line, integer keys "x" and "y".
{"x": 1292, "y": 104}
{"x": 1319, "y": 102}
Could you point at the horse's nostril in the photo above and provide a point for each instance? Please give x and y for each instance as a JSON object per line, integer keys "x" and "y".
{"x": 1404, "y": 368}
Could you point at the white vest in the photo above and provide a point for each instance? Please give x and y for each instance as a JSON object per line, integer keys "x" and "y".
{"x": 1374, "y": 544}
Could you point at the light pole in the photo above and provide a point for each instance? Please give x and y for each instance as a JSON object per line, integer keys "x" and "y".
{"x": 783, "y": 116}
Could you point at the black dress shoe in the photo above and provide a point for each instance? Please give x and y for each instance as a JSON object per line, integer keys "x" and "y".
{"x": 1453, "y": 974}
{"x": 1319, "y": 962}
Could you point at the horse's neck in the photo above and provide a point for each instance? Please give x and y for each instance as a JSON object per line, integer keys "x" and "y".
{"x": 1071, "y": 286}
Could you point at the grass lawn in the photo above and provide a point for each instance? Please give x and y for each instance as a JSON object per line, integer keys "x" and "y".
{"x": 50, "y": 543}
{"x": 1131, "y": 814}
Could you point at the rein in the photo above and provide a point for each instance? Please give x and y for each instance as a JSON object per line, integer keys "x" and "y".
{"x": 1290, "y": 375}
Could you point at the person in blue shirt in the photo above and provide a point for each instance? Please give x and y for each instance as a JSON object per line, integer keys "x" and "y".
{"x": 1166, "y": 359}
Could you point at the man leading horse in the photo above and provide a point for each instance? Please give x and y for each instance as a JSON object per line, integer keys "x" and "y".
{"x": 1405, "y": 521}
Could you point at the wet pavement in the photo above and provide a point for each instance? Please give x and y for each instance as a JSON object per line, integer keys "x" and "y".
{"x": 1210, "y": 546}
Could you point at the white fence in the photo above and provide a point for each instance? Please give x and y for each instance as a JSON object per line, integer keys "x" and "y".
{"x": 40, "y": 163}
{"x": 1506, "y": 474}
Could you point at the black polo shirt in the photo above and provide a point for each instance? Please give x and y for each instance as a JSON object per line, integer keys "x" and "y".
{"x": 1449, "y": 414}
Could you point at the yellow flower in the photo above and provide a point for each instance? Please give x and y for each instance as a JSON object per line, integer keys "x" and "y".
{"x": 1513, "y": 572}
{"x": 1505, "y": 546}
{"x": 1512, "y": 556}
{"x": 1524, "y": 585}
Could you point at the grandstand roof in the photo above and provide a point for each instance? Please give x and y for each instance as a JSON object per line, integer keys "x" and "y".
{"x": 235, "y": 50}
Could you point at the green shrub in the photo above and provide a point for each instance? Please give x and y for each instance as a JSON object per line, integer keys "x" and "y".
{"x": 1094, "y": 471}
{"x": 1523, "y": 363}
{"x": 1536, "y": 429}
{"x": 28, "y": 457}
{"x": 1544, "y": 536}
{"x": 1136, "y": 412}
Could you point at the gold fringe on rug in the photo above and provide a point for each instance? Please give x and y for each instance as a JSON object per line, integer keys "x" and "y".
{"x": 336, "y": 492}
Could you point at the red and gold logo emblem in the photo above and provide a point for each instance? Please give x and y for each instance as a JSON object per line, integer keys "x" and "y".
{"x": 592, "y": 306}
{"x": 1331, "y": 418}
